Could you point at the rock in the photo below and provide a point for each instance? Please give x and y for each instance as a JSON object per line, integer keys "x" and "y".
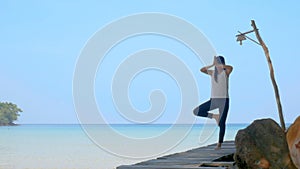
{"x": 293, "y": 140}
{"x": 262, "y": 145}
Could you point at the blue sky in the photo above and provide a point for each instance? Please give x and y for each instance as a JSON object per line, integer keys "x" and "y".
{"x": 42, "y": 40}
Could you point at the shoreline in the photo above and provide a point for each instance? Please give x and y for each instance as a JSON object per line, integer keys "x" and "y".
{"x": 11, "y": 124}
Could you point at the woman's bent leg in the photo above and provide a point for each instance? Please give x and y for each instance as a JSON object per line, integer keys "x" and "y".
{"x": 203, "y": 109}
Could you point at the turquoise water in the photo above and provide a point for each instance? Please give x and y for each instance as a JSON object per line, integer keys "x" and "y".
{"x": 71, "y": 147}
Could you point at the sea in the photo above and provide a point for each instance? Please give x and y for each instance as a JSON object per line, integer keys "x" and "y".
{"x": 75, "y": 146}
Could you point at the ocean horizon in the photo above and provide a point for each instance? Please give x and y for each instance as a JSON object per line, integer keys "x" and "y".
{"x": 73, "y": 146}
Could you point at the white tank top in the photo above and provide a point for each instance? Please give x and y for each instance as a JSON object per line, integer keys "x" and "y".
{"x": 219, "y": 89}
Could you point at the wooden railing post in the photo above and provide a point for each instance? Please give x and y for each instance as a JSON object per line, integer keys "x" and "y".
{"x": 271, "y": 74}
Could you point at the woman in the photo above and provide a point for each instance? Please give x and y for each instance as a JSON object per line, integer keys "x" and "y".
{"x": 219, "y": 95}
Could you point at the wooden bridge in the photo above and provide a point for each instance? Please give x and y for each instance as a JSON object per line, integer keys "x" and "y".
{"x": 200, "y": 158}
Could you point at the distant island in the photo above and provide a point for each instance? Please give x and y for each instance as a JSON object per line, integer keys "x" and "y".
{"x": 9, "y": 113}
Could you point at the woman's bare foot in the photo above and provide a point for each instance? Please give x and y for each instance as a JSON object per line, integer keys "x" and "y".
{"x": 218, "y": 147}
{"x": 216, "y": 117}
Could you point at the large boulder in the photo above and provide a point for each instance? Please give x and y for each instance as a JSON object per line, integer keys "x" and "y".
{"x": 293, "y": 140}
{"x": 262, "y": 145}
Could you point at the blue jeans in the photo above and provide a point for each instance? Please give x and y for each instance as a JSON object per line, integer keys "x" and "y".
{"x": 214, "y": 103}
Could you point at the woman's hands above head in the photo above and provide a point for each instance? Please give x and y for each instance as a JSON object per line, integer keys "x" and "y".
{"x": 215, "y": 61}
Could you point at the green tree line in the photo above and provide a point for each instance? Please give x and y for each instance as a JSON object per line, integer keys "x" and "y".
{"x": 9, "y": 113}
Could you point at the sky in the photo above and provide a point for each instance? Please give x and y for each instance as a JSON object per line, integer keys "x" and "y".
{"x": 42, "y": 41}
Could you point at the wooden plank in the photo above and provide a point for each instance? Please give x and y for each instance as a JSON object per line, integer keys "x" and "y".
{"x": 170, "y": 167}
{"x": 198, "y": 158}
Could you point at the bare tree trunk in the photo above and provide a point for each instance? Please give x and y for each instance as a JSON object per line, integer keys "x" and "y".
{"x": 271, "y": 74}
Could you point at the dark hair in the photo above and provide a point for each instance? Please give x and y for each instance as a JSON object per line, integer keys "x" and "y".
{"x": 220, "y": 60}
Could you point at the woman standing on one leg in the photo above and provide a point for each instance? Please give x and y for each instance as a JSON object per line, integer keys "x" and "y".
{"x": 219, "y": 95}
